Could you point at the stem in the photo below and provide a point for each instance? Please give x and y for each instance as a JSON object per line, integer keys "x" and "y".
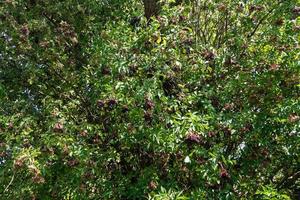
{"x": 9, "y": 184}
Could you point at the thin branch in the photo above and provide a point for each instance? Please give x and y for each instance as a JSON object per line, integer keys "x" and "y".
{"x": 50, "y": 19}
{"x": 262, "y": 20}
{"x": 9, "y": 184}
{"x": 289, "y": 180}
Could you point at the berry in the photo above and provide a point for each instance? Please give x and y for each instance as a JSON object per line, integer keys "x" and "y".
{"x": 10, "y": 125}
{"x": 72, "y": 163}
{"x": 24, "y": 30}
{"x": 149, "y": 105}
{"x": 296, "y": 10}
{"x": 228, "y": 106}
{"x": 100, "y": 103}
{"x": 19, "y": 163}
{"x": 58, "y": 128}
{"x": 125, "y": 109}
{"x": 256, "y": 8}
{"x": 193, "y": 137}
{"x": 222, "y": 7}
{"x": 293, "y": 118}
{"x": 279, "y": 22}
{"x": 208, "y": 55}
{"x": 227, "y": 131}
{"x": 224, "y": 173}
{"x": 152, "y": 185}
{"x": 148, "y": 116}
{"x": 3, "y": 154}
{"x": 105, "y": 70}
{"x": 37, "y": 178}
{"x": 211, "y": 134}
{"x": 84, "y": 133}
{"x": 111, "y": 102}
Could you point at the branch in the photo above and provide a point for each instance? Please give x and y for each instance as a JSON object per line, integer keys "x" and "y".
{"x": 289, "y": 180}
{"x": 9, "y": 184}
{"x": 50, "y": 19}
{"x": 262, "y": 20}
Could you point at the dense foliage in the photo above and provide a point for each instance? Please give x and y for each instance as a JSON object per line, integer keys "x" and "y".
{"x": 202, "y": 101}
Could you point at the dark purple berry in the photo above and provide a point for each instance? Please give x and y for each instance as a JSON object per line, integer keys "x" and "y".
{"x": 125, "y": 109}
{"x": 148, "y": 116}
{"x": 193, "y": 137}
{"x": 105, "y": 70}
{"x": 100, "y": 103}
{"x": 149, "y": 105}
{"x": 208, "y": 55}
{"x": 296, "y": 10}
{"x": 111, "y": 102}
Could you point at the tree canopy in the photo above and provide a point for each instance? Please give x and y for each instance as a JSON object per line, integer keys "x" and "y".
{"x": 149, "y": 99}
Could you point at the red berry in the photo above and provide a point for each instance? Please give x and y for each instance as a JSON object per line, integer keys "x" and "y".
{"x": 58, "y": 127}
{"x": 152, "y": 185}
{"x": 224, "y": 173}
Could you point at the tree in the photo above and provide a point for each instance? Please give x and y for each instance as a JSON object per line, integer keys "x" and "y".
{"x": 151, "y": 8}
{"x": 201, "y": 103}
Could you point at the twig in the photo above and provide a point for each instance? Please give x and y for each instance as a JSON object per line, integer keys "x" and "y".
{"x": 262, "y": 20}
{"x": 9, "y": 184}
{"x": 288, "y": 180}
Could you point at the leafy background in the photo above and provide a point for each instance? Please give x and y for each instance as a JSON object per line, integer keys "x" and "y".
{"x": 199, "y": 102}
